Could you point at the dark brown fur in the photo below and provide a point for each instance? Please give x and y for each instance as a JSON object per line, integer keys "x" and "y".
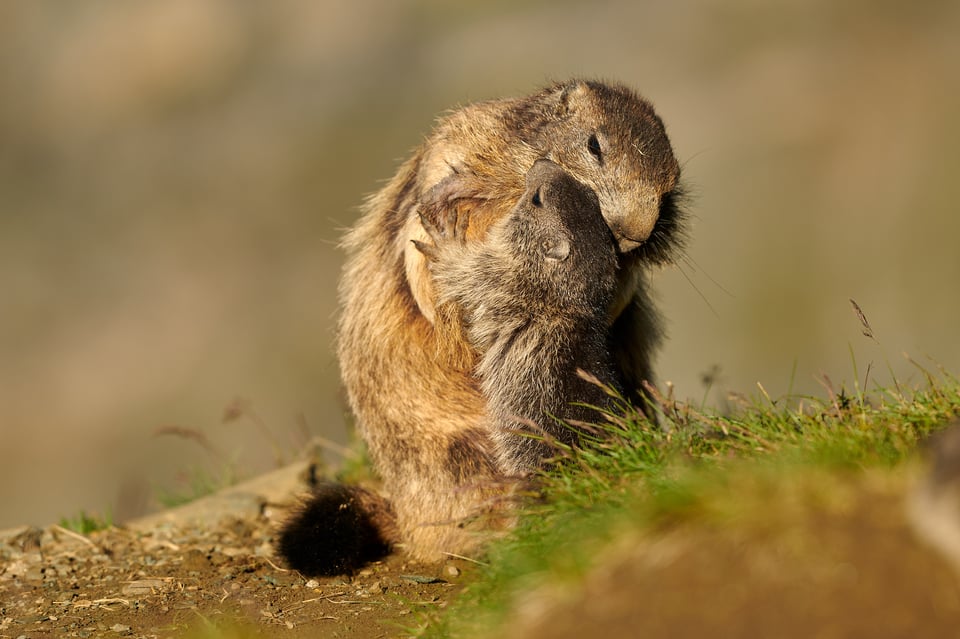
{"x": 534, "y": 297}
{"x": 333, "y": 509}
{"x": 406, "y": 362}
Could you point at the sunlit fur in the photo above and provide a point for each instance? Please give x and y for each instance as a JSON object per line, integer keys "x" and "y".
{"x": 406, "y": 363}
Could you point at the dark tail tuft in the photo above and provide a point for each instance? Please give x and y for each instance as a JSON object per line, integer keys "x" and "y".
{"x": 339, "y": 530}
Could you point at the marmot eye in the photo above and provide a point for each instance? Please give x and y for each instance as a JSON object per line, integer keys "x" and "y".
{"x": 593, "y": 145}
{"x": 536, "y": 198}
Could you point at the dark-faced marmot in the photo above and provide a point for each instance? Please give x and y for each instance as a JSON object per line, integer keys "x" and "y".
{"x": 534, "y": 296}
{"x": 406, "y": 363}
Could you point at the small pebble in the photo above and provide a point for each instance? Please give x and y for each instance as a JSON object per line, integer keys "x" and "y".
{"x": 142, "y": 587}
{"x": 452, "y": 571}
{"x": 34, "y": 575}
{"x": 422, "y": 579}
{"x": 313, "y": 583}
{"x": 195, "y": 560}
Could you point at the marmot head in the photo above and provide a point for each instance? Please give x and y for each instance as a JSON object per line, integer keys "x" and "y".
{"x": 560, "y": 241}
{"x": 612, "y": 140}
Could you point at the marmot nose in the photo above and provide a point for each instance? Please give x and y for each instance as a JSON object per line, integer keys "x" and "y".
{"x": 629, "y": 236}
{"x": 632, "y": 228}
{"x": 556, "y": 248}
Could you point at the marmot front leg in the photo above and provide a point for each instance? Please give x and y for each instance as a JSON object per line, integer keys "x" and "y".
{"x": 444, "y": 226}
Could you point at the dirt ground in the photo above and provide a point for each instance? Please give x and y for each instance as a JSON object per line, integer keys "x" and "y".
{"x": 208, "y": 564}
{"x": 845, "y": 558}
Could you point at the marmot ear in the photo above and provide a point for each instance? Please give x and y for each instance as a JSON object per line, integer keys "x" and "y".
{"x": 570, "y": 96}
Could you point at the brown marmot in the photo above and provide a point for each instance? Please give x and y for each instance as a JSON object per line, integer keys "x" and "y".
{"x": 534, "y": 296}
{"x": 405, "y": 362}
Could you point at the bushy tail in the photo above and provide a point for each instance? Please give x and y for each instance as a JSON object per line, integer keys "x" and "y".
{"x": 338, "y": 530}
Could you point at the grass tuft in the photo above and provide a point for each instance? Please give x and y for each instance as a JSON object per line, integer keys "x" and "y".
{"x": 85, "y": 523}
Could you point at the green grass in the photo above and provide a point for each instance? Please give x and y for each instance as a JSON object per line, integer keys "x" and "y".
{"x": 85, "y": 523}
{"x": 701, "y": 467}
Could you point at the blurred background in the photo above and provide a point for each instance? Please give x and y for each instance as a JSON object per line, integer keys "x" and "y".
{"x": 175, "y": 176}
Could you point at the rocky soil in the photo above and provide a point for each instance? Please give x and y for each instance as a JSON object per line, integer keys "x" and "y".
{"x": 828, "y": 555}
{"x": 205, "y": 566}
